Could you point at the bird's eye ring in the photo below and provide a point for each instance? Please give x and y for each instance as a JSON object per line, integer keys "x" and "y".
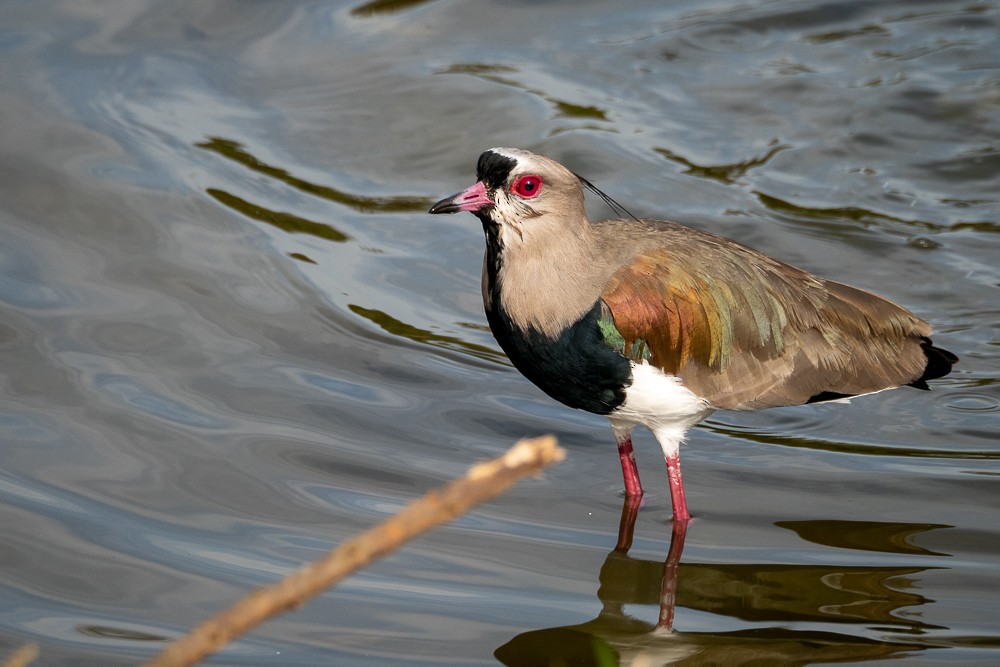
{"x": 527, "y": 186}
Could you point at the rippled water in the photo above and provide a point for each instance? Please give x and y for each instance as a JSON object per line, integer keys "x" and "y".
{"x": 231, "y": 337}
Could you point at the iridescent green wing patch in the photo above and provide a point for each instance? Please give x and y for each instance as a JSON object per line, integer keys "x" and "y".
{"x": 637, "y": 350}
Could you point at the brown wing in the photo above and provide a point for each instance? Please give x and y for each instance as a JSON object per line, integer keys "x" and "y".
{"x": 745, "y": 331}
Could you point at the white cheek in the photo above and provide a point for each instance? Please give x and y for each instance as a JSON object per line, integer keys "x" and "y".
{"x": 508, "y": 215}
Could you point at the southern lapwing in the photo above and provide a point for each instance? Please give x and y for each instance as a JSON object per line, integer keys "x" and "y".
{"x": 652, "y": 323}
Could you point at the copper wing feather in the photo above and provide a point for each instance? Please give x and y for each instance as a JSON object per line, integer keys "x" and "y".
{"x": 746, "y": 331}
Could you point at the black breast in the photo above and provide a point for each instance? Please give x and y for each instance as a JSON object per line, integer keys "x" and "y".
{"x": 576, "y": 368}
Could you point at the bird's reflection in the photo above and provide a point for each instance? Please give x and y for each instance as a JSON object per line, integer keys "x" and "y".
{"x": 667, "y": 573}
{"x": 780, "y": 605}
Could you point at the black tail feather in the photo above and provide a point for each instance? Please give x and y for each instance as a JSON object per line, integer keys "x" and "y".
{"x": 939, "y": 363}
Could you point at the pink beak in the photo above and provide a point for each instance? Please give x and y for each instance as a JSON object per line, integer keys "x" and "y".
{"x": 470, "y": 199}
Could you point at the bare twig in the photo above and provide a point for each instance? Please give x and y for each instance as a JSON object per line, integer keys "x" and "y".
{"x": 481, "y": 483}
{"x": 23, "y": 656}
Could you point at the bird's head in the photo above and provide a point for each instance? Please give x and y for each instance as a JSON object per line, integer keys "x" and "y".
{"x": 520, "y": 197}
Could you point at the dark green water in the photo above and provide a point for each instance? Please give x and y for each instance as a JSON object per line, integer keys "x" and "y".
{"x": 230, "y": 336}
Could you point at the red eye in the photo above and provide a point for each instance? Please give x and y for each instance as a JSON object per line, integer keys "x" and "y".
{"x": 527, "y": 186}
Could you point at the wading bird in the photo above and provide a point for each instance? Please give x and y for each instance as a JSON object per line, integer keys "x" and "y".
{"x": 652, "y": 323}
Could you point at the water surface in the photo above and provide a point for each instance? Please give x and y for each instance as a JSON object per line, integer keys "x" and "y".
{"x": 231, "y": 337}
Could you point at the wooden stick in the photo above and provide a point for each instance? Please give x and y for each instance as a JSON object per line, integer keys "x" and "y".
{"x": 23, "y": 656}
{"x": 481, "y": 483}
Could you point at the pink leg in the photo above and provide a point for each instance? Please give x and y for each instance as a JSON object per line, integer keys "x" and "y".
{"x": 676, "y": 487}
{"x": 630, "y": 472}
{"x": 668, "y": 589}
{"x": 626, "y": 527}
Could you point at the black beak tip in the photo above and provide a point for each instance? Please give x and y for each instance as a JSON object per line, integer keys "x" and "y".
{"x": 446, "y": 205}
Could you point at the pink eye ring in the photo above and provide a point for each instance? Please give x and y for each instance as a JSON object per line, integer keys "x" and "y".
{"x": 527, "y": 186}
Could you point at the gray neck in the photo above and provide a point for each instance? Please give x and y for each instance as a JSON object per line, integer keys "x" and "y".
{"x": 544, "y": 284}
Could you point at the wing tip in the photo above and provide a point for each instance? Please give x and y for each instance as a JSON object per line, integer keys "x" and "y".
{"x": 939, "y": 364}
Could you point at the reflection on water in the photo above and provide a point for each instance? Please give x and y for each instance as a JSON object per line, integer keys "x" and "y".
{"x": 119, "y": 633}
{"x": 391, "y": 325}
{"x": 231, "y": 337}
{"x": 495, "y": 74}
{"x": 234, "y": 151}
{"x": 893, "y": 538}
{"x": 724, "y": 173}
{"x": 782, "y": 601}
{"x": 376, "y": 7}
{"x": 286, "y": 222}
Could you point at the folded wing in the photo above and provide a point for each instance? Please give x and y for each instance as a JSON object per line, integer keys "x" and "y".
{"x": 746, "y": 331}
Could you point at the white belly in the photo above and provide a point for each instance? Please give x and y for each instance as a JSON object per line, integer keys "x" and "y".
{"x": 661, "y": 403}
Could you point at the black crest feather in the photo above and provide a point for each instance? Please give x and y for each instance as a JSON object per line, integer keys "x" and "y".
{"x": 614, "y": 205}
